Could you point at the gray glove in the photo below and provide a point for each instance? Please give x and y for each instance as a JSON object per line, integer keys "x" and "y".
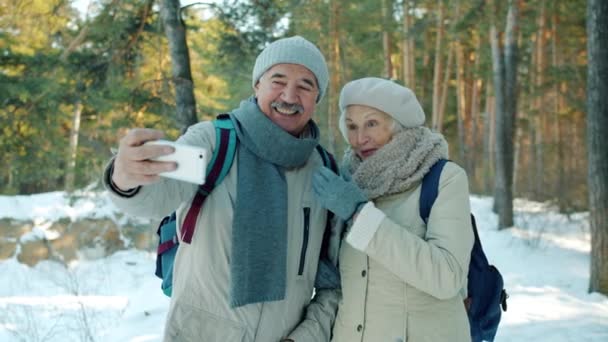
{"x": 337, "y": 195}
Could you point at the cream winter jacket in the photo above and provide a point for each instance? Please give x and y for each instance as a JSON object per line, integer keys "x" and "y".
{"x": 200, "y": 309}
{"x": 403, "y": 280}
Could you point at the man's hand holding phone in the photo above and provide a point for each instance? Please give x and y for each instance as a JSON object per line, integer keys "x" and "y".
{"x": 140, "y": 163}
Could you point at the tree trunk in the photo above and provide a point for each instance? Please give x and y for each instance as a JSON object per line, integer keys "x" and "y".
{"x": 463, "y": 100}
{"x": 510, "y": 112}
{"x": 409, "y": 60}
{"x": 597, "y": 126}
{"x": 489, "y": 142}
{"x": 10, "y": 176}
{"x": 461, "y": 105}
{"x": 74, "y": 131}
{"x": 438, "y": 67}
{"x": 540, "y": 136}
{"x": 444, "y": 89}
{"x": 565, "y": 194}
{"x": 475, "y": 119}
{"x": 180, "y": 63}
{"x": 427, "y": 76}
{"x": 386, "y": 39}
{"x": 499, "y": 107}
{"x": 334, "y": 74}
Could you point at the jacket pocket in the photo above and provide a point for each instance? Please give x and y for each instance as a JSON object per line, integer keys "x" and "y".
{"x": 306, "y": 233}
{"x": 188, "y": 323}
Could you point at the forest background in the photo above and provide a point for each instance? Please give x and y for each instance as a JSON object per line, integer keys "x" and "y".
{"x": 72, "y": 80}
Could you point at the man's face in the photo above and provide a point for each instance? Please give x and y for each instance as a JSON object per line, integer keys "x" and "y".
{"x": 287, "y": 94}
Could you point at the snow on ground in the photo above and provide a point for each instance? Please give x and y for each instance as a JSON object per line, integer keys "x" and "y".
{"x": 544, "y": 260}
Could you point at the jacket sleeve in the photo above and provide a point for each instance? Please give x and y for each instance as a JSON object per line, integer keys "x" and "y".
{"x": 161, "y": 198}
{"x": 437, "y": 263}
{"x": 319, "y": 317}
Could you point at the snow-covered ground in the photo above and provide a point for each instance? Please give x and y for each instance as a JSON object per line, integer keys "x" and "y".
{"x": 544, "y": 260}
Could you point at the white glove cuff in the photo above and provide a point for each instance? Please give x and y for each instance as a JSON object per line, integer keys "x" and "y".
{"x": 365, "y": 226}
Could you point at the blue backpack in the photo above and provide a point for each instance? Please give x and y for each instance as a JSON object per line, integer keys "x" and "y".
{"x": 485, "y": 284}
{"x": 221, "y": 161}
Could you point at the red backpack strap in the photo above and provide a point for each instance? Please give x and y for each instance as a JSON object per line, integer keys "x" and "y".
{"x": 223, "y": 155}
{"x": 168, "y": 244}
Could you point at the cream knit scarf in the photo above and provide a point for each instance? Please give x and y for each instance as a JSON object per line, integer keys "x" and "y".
{"x": 398, "y": 165}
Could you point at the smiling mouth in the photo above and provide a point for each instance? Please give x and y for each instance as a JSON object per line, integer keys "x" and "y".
{"x": 287, "y": 109}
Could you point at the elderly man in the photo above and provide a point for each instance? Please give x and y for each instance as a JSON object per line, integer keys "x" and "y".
{"x": 249, "y": 272}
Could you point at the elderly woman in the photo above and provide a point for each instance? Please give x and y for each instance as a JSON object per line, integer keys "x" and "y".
{"x": 402, "y": 279}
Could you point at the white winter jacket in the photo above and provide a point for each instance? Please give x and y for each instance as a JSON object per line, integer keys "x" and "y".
{"x": 403, "y": 280}
{"x": 200, "y": 309}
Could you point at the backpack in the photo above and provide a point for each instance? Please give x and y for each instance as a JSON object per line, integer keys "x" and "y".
{"x": 221, "y": 161}
{"x": 486, "y": 293}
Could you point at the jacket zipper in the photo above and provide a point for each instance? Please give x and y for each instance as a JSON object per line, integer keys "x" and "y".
{"x": 305, "y": 240}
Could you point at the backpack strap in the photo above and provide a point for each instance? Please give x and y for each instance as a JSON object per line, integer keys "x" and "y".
{"x": 430, "y": 189}
{"x": 224, "y": 130}
{"x": 330, "y": 162}
{"x": 167, "y": 245}
{"x": 328, "y": 159}
{"x": 218, "y": 167}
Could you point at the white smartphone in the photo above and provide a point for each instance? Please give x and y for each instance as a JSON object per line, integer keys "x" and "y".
{"x": 191, "y": 162}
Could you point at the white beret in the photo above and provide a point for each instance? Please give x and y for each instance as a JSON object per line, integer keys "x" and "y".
{"x": 395, "y": 100}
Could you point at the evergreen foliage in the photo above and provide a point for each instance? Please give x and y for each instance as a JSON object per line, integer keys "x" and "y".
{"x": 113, "y": 64}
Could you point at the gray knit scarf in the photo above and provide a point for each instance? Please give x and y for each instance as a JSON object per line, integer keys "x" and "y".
{"x": 398, "y": 165}
{"x": 259, "y": 227}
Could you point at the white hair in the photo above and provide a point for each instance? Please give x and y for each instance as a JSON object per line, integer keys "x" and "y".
{"x": 396, "y": 126}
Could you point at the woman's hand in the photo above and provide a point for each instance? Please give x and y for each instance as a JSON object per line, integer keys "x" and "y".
{"x": 337, "y": 195}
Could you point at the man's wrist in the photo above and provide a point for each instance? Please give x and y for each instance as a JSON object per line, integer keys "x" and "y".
{"x": 116, "y": 189}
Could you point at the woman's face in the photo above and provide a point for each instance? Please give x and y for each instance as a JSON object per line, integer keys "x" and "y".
{"x": 368, "y": 129}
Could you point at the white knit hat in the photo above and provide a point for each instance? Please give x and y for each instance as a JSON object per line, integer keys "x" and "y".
{"x": 293, "y": 50}
{"x": 395, "y": 100}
